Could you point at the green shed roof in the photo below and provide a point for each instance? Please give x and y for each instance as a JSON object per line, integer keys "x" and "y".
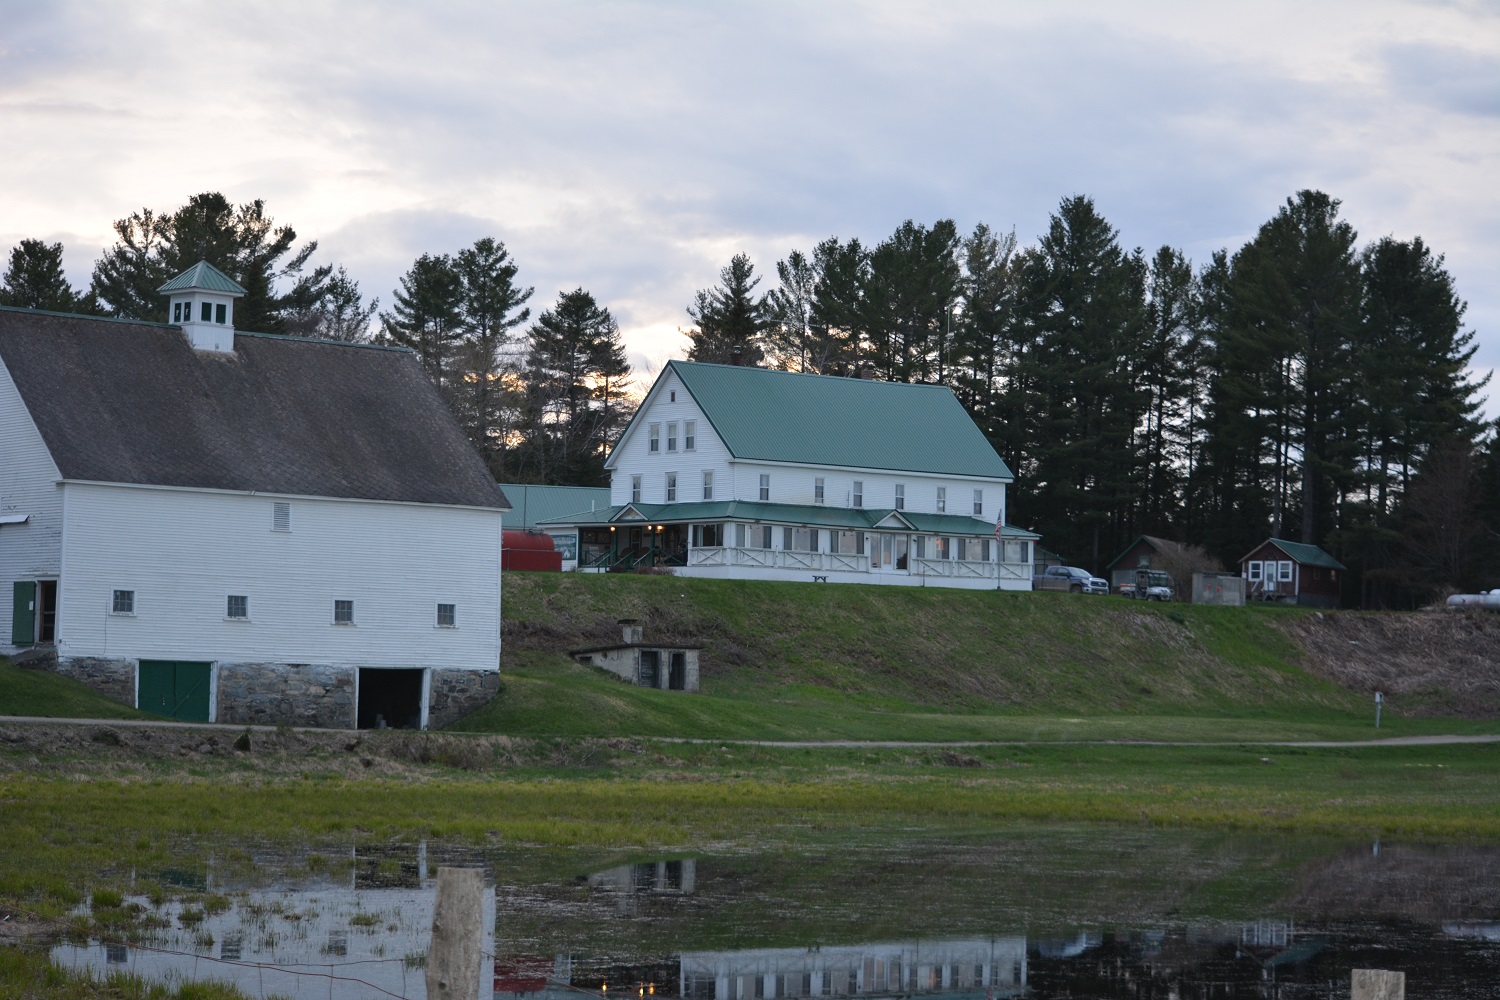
{"x": 530, "y": 504}
{"x": 205, "y": 276}
{"x": 1307, "y": 555}
{"x": 778, "y": 416}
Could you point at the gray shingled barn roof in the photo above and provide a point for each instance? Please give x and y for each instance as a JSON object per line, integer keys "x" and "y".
{"x": 127, "y": 402}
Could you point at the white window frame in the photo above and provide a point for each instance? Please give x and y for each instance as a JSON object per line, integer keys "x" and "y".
{"x": 689, "y": 435}
{"x": 979, "y": 503}
{"x": 1284, "y": 571}
{"x": 765, "y": 487}
{"x": 1253, "y": 571}
{"x": 281, "y": 515}
{"x": 671, "y": 435}
{"x": 857, "y": 495}
{"x": 635, "y": 489}
{"x": 671, "y": 486}
{"x": 942, "y": 499}
{"x": 452, "y": 621}
{"x": 708, "y": 484}
{"x": 336, "y": 610}
{"x": 122, "y": 602}
{"x": 229, "y": 614}
{"x": 654, "y": 439}
{"x": 900, "y": 497}
{"x": 818, "y": 490}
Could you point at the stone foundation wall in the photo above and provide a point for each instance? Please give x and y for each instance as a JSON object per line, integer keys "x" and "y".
{"x": 115, "y": 679}
{"x": 265, "y": 694}
{"x": 455, "y": 693}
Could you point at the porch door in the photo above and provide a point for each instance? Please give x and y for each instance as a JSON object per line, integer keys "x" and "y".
{"x": 889, "y": 553}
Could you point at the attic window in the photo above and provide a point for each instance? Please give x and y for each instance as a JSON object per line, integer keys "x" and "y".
{"x": 673, "y": 395}
{"x": 281, "y": 516}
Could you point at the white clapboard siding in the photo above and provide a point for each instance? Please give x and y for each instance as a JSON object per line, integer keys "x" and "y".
{"x": 183, "y": 552}
{"x": 796, "y": 484}
{"x": 633, "y": 455}
{"x": 28, "y": 485}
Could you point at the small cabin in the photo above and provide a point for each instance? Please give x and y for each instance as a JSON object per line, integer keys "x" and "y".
{"x": 1291, "y": 572}
{"x": 666, "y": 666}
{"x": 1144, "y": 553}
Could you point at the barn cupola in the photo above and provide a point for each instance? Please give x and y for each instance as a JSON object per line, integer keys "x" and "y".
{"x": 202, "y": 303}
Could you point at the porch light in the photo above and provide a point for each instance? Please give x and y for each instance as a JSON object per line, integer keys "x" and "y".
{"x": 611, "y": 528}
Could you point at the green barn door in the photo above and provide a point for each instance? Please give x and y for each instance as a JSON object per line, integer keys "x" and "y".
{"x": 175, "y": 689}
{"x": 23, "y": 614}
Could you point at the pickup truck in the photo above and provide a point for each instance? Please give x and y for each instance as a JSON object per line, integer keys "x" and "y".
{"x": 1069, "y": 578}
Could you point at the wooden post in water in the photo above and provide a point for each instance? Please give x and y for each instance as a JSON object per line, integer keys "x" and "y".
{"x": 1377, "y": 984}
{"x": 457, "y": 932}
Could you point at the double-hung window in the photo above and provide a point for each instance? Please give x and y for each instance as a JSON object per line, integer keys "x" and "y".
{"x": 900, "y": 496}
{"x": 689, "y": 434}
{"x": 635, "y": 489}
{"x": 765, "y": 487}
{"x": 708, "y": 484}
{"x": 672, "y": 436}
{"x": 942, "y": 499}
{"x": 818, "y": 490}
{"x": 671, "y": 486}
{"x": 857, "y": 496}
{"x": 979, "y": 503}
{"x": 655, "y": 435}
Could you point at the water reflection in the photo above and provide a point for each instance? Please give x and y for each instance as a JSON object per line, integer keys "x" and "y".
{"x": 1044, "y": 915}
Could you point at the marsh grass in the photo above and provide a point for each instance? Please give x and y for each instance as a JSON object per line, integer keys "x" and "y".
{"x": 30, "y": 975}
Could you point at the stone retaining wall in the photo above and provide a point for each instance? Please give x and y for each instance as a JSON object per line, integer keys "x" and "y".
{"x": 297, "y": 694}
{"x": 115, "y": 679}
{"x": 456, "y": 693}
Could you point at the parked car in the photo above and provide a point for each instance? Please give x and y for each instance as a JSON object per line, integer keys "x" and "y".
{"x": 1069, "y": 578}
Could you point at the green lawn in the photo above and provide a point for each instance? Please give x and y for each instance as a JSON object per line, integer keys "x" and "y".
{"x": 48, "y": 695}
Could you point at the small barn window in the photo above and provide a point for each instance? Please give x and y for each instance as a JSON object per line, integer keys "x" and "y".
{"x": 447, "y": 616}
{"x": 343, "y": 612}
{"x": 281, "y": 516}
{"x": 123, "y": 603}
{"x": 237, "y": 606}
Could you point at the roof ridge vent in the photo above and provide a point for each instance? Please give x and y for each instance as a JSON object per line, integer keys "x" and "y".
{"x": 202, "y": 303}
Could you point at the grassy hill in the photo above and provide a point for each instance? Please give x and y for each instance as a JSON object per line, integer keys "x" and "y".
{"x": 812, "y": 661}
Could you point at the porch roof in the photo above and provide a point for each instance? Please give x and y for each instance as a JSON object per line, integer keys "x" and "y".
{"x": 845, "y": 518}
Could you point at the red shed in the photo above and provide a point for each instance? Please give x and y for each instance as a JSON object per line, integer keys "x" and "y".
{"x": 1278, "y": 570}
{"x": 529, "y": 550}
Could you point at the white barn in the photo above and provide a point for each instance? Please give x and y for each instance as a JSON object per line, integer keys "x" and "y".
{"x": 748, "y": 473}
{"x": 234, "y": 527}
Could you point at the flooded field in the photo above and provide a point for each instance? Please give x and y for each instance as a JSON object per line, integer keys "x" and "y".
{"x": 1040, "y": 912}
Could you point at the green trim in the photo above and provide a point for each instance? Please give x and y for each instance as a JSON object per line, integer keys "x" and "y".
{"x": 1307, "y": 555}
{"x": 203, "y": 276}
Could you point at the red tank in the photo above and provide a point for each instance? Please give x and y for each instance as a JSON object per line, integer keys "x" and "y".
{"x": 529, "y": 550}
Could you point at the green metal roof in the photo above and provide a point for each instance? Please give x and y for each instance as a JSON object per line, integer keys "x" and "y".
{"x": 530, "y": 504}
{"x": 1307, "y": 555}
{"x": 205, "y": 276}
{"x": 845, "y": 518}
{"x": 777, "y": 416}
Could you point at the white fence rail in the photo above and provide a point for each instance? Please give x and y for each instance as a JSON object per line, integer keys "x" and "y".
{"x": 839, "y": 562}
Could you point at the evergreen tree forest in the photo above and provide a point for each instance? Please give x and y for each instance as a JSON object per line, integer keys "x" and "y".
{"x": 1305, "y": 385}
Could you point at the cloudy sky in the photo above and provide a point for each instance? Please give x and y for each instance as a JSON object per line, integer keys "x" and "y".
{"x": 632, "y": 148}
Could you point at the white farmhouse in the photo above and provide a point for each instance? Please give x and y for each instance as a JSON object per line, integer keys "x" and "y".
{"x": 747, "y": 473}
{"x": 235, "y": 527}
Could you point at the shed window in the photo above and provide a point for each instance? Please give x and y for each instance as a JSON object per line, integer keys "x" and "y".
{"x": 447, "y": 616}
{"x": 237, "y": 606}
{"x": 765, "y": 486}
{"x": 343, "y": 612}
{"x": 281, "y": 516}
{"x": 942, "y": 499}
{"x": 671, "y": 484}
{"x": 655, "y": 438}
{"x": 123, "y": 603}
{"x": 689, "y": 434}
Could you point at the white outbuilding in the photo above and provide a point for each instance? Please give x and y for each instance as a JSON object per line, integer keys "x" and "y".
{"x": 216, "y": 525}
{"x": 747, "y": 473}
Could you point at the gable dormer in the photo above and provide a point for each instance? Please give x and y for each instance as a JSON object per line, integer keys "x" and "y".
{"x": 202, "y": 303}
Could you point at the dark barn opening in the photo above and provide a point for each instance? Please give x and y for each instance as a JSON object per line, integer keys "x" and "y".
{"x": 390, "y": 698}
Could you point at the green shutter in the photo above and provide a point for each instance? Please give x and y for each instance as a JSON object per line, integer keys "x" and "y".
{"x": 23, "y": 614}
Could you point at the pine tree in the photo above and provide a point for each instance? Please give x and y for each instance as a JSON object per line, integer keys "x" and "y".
{"x": 988, "y": 364}
{"x": 428, "y": 318}
{"x": 577, "y": 377}
{"x": 339, "y": 314}
{"x": 912, "y": 286}
{"x": 35, "y": 279}
{"x": 729, "y": 318}
{"x": 1167, "y": 359}
{"x": 493, "y": 306}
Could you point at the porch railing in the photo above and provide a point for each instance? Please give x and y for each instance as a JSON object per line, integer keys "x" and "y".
{"x": 841, "y": 562}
